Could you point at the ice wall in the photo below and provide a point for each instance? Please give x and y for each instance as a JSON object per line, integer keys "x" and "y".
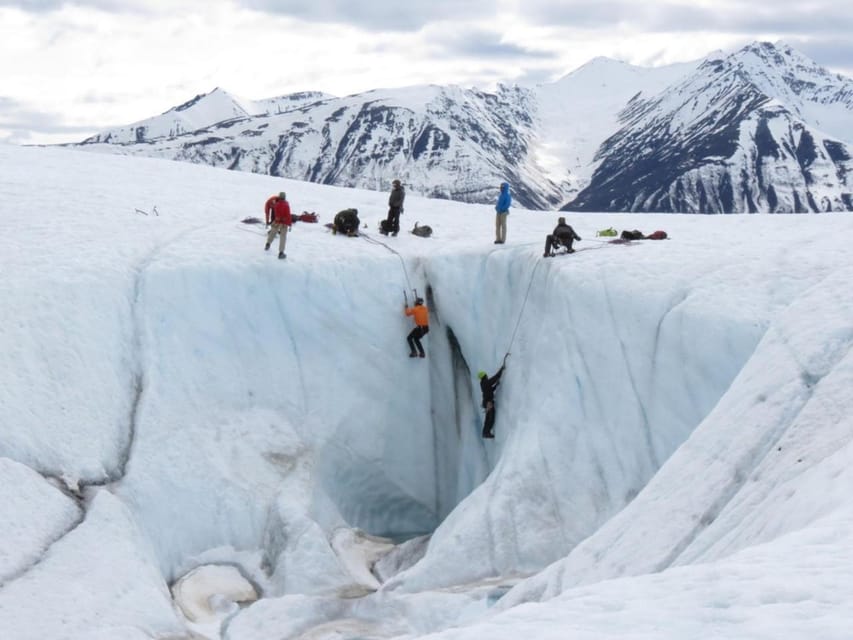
{"x": 303, "y": 413}
{"x": 602, "y": 385}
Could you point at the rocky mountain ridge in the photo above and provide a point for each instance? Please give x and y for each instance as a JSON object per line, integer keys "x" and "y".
{"x": 763, "y": 129}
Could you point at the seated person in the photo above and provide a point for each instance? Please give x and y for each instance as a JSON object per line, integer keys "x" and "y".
{"x": 563, "y": 234}
{"x": 347, "y": 222}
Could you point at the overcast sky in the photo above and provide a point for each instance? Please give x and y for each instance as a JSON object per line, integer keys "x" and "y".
{"x": 70, "y": 69}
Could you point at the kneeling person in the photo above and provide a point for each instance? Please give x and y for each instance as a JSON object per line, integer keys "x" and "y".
{"x": 347, "y": 222}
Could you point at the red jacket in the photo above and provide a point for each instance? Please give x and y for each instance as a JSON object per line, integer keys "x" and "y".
{"x": 268, "y": 207}
{"x": 278, "y": 210}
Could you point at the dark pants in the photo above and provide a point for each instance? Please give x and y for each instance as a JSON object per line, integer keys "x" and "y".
{"x": 392, "y": 222}
{"x": 414, "y": 340}
{"x": 555, "y": 242}
{"x": 489, "y": 423}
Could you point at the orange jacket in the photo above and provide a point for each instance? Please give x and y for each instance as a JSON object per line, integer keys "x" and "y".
{"x": 421, "y": 314}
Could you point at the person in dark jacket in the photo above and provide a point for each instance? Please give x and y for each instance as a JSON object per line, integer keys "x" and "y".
{"x": 563, "y": 234}
{"x": 277, "y": 213}
{"x": 391, "y": 224}
{"x": 347, "y": 222}
{"x": 421, "y": 316}
{"x": 487, "y": 387}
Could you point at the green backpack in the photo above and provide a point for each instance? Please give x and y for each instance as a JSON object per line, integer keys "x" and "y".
{"x": 607, "y": 233}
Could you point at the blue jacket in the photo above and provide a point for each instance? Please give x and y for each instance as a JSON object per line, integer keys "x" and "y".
{"x": 504, "y": 199}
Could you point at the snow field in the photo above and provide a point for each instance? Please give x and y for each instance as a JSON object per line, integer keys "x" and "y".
{"x": 247, "y": 411}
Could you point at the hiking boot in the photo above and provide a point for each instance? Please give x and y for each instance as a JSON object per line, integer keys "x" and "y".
{"x": 497, "y": 241}
{"x": 394, "y": 234}
{"x": 281, "y": 255}
{"x": 422, "y": 355}
{"x": 413, "y": 355}
{"x": 489, "y": 434}
{"x": 267, "y": 246}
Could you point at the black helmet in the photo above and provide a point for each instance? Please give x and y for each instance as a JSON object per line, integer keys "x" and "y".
{"x": 419, "y": 300}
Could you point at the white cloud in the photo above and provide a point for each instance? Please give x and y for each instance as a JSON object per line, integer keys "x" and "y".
{"x": 105, "y": 63}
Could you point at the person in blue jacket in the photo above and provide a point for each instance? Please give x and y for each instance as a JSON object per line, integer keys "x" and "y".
{"x": 502, "y": 211}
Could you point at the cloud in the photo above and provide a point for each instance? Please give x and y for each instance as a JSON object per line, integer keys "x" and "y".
{"x": 33, "y": 6}
{"x": 20, "y": 124}
{"x": 149, "y": 7}
{"x": 481, "y": 43}
{"x": 833, "y": 53}
{"x": 376, "y": 15}
{"x": 779, "y": 16}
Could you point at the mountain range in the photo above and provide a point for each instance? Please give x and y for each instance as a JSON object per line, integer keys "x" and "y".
{"x": 762, "y": 129}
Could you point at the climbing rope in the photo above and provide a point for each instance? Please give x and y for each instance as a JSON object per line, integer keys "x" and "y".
{"x": 523, "y": 305}
{"x": 371, "y": 240}
{"x": 257, "y": 232}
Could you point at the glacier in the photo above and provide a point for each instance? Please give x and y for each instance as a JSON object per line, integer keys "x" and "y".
{"x": 673, "y": 437}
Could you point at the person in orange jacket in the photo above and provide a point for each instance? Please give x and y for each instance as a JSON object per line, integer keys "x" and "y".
{"x": 277, "y": 214}
{"x": 421, "y": 315}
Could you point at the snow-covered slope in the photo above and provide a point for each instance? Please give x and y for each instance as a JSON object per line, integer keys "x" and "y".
{"x": 202, "y": 111}
{"x": 762, "y": 130}
{"x": 659, "y": 422}
{"x": 578, "y": 111}
{"x": 444, "y": 142}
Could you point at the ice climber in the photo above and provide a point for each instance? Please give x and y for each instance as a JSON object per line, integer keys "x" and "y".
{"x": 277, "y": 215}
{"x": 487, "y": 387}
{"x": 501, "y": 212}
{"x": 562, "y": 235}
{"x": 421, "y": 316}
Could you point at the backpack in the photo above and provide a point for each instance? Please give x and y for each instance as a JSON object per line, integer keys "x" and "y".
{"x": 632, "y": 235}
{"x": 610, "y": 232}
{"x": 657, "y": 235}
{"x": 422, "y": 232}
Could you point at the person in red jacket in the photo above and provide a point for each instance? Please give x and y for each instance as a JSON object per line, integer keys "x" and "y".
{"x": 421, "y": 315}
{"x": 277, "y": 214}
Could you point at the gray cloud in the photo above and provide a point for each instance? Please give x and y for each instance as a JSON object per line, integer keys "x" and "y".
{"x": 111, "y": 6}
{"x": 779, "y": 16}
{"x": 481, "y": 43}
{"x": 834, "y": 53}
{"x": 376, "y": 15}
{"x": 34, "y": 6}
{"x": 20, "y": 124}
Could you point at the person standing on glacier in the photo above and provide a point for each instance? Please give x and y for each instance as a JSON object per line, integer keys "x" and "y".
{"x": 277, "y": 214}
{"x": 391, "y": 224}
{"x": 501, "y": 212}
